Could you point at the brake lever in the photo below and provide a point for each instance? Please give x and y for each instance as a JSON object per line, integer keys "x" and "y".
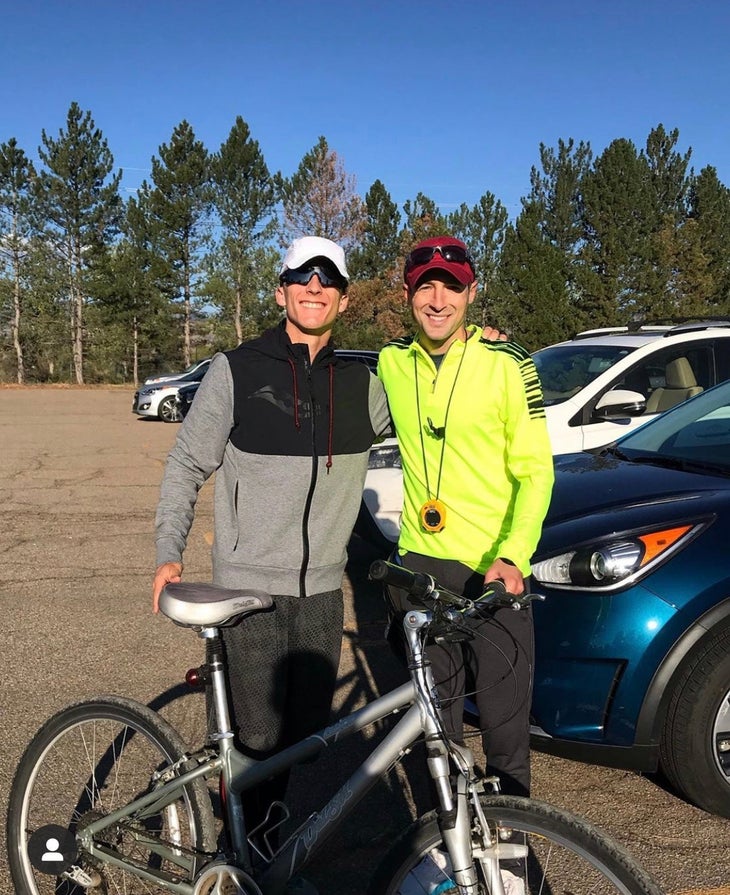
{"x": 524, "y": 601}
{"x": 503, "y": 601}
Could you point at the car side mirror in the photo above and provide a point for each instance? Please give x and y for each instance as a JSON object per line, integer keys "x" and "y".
{"x": 619, "y": 402}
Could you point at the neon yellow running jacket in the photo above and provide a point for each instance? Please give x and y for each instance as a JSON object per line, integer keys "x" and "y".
{"x": 495, "y": 474}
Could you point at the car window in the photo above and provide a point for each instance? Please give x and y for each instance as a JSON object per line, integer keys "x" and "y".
{"x": 650, "y": 373}
{"x": 722, "y": 359}
{"x": 697, "y": 430}
{"x": 198, "y": 374}
{"x": 566, "y": 369}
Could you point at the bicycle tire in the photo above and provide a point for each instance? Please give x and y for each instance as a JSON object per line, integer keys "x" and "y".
{"x": 86, "y": 761}
{"x": 591, "y": 861}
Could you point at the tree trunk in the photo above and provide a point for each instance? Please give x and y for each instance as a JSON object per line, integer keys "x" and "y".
{"x": 77, "y": 314}
{"x": 237, "y": 316}
{"x": 135, "y": 351}
{"x": 78, "y": 346}
{"x": 16, "y": 332}
{"x": 187, "y": 354}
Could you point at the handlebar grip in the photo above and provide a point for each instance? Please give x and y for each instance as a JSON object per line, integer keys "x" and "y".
{"x": 496, "y": 596}
{"x": 417, "y": 584}
{"x": 497, "y": 587}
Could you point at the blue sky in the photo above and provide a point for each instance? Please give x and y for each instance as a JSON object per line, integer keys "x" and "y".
{"x": 449, "y": 98}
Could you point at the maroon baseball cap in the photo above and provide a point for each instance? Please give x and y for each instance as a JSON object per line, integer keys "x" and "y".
{"x": 439, "y": 253}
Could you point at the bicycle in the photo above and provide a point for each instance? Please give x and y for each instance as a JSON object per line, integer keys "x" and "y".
{"x": 118, "y": 781}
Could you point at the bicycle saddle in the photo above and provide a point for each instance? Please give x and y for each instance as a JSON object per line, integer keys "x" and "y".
{"x": 207, "y": 605}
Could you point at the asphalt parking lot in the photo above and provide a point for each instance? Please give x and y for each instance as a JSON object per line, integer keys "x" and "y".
{"x": 79, "y": 483}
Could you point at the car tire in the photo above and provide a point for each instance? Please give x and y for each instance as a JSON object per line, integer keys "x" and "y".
{"x": 169, "y": 410}
{"x": 695, "y": 746}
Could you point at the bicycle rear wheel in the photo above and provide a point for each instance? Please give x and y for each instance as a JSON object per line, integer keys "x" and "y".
{"x": 93, "y": 758}
{"x": 565, "y": 854}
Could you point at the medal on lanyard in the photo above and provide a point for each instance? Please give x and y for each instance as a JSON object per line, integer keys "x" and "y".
{"x": 433, "y": 512}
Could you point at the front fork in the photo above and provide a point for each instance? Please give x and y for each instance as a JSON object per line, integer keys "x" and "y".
{"x": 467, "y": 837}
{"x": 463, "y": 826}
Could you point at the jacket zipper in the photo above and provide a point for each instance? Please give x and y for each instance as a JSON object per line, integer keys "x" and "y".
{"x": 235, "y": 511}
{"x": 312, "y": 485}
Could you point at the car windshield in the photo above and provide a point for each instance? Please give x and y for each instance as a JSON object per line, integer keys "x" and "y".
{"x": 694, "y": 435}
{"x": 566, "y": 369}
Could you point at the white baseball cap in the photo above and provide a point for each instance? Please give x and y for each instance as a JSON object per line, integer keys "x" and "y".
{"x": 310, "y": 247}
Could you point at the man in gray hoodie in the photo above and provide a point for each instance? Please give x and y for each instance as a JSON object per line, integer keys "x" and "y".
{"x": 286, "y": 425}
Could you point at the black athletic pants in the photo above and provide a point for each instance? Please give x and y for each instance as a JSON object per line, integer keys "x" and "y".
{"x": 282, "y": 672}
{"x": 496, "y": 666}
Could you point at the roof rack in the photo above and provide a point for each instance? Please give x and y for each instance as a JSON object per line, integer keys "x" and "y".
{"x": 606, "y": 330}
{"x": 698, "y": 325}
{"x": 666, "y": 327}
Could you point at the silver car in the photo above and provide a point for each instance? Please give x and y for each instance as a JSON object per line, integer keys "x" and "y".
{"x": 157, "y": 398}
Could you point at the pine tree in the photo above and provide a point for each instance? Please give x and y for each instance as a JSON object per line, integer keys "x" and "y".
{"x": 557, "y": 190}
{"x": 320, "y": 199}
{"x": 709, "y": 208}
{"x": 688, "y": 281}
{"x": 423, "y": 220}
{"x": 258, "y": 310}
{"x": 17, "y": 228}
{"x": 47, "y": 350}
{"x": 244, "y": 196}
{"x": 81, "y": 206}
{"x": 179, "y": 205}
{"x": 483, "y": 229}
{"x": 532, "y": 304}
{"x": 620, "y": 220}
{"x": 134, "y": 315}
{"x": 668, "y": 186}
{"x": 667, "y": 174}
{"x": 556, "y": 196}
{"x": 378, "y": 254}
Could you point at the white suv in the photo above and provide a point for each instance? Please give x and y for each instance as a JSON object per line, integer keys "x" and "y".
{"x": 597, "y": 387}
{"x": 603, "y": 383}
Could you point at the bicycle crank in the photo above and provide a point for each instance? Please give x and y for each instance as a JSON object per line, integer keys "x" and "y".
{"x": 224, "y": 879}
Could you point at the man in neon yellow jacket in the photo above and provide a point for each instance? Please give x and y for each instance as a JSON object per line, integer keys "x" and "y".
{"x": 477, "y": 474}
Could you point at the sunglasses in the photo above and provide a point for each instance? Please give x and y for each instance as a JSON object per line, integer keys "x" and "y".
{"x": 302, "y": 275}
{"x": 454, "y": 254}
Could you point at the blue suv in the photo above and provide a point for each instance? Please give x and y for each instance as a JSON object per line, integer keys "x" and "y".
{"x": 633, "y": 641}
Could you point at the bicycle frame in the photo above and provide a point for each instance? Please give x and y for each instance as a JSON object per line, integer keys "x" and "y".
{"x": 239, "y": 773}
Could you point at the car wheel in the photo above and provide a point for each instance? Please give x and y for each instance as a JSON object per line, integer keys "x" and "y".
{"x": 695, "y": 747}
{"x": 169, "y": 410}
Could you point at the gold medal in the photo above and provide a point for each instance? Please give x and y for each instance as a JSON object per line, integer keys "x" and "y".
{"x": 433, "y": 515}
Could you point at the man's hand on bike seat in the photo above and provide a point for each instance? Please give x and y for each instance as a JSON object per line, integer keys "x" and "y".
{"x": 167, "y": 573}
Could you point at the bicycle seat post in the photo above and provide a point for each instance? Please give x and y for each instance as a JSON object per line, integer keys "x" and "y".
{"x": 217, "y": 671}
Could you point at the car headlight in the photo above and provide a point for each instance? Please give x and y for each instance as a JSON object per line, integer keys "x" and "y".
{"x": 611, "y": 564}
{"x": 384, "y": 457}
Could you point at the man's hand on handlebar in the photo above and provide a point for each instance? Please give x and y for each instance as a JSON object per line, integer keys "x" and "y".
{"x": 167, "y": 573}
{"x": 509, "y": 574}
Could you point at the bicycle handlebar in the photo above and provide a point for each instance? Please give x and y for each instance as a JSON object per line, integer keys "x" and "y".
{"x": 417, "y": 584}
{"x": 420, "y": 585}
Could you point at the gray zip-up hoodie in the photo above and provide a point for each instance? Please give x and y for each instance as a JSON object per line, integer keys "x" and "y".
{"x": 289, "y": 443}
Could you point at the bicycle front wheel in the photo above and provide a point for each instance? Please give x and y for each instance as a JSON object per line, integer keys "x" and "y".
{"x": 564, "y": 854}
{"x": 87, "y": 761}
